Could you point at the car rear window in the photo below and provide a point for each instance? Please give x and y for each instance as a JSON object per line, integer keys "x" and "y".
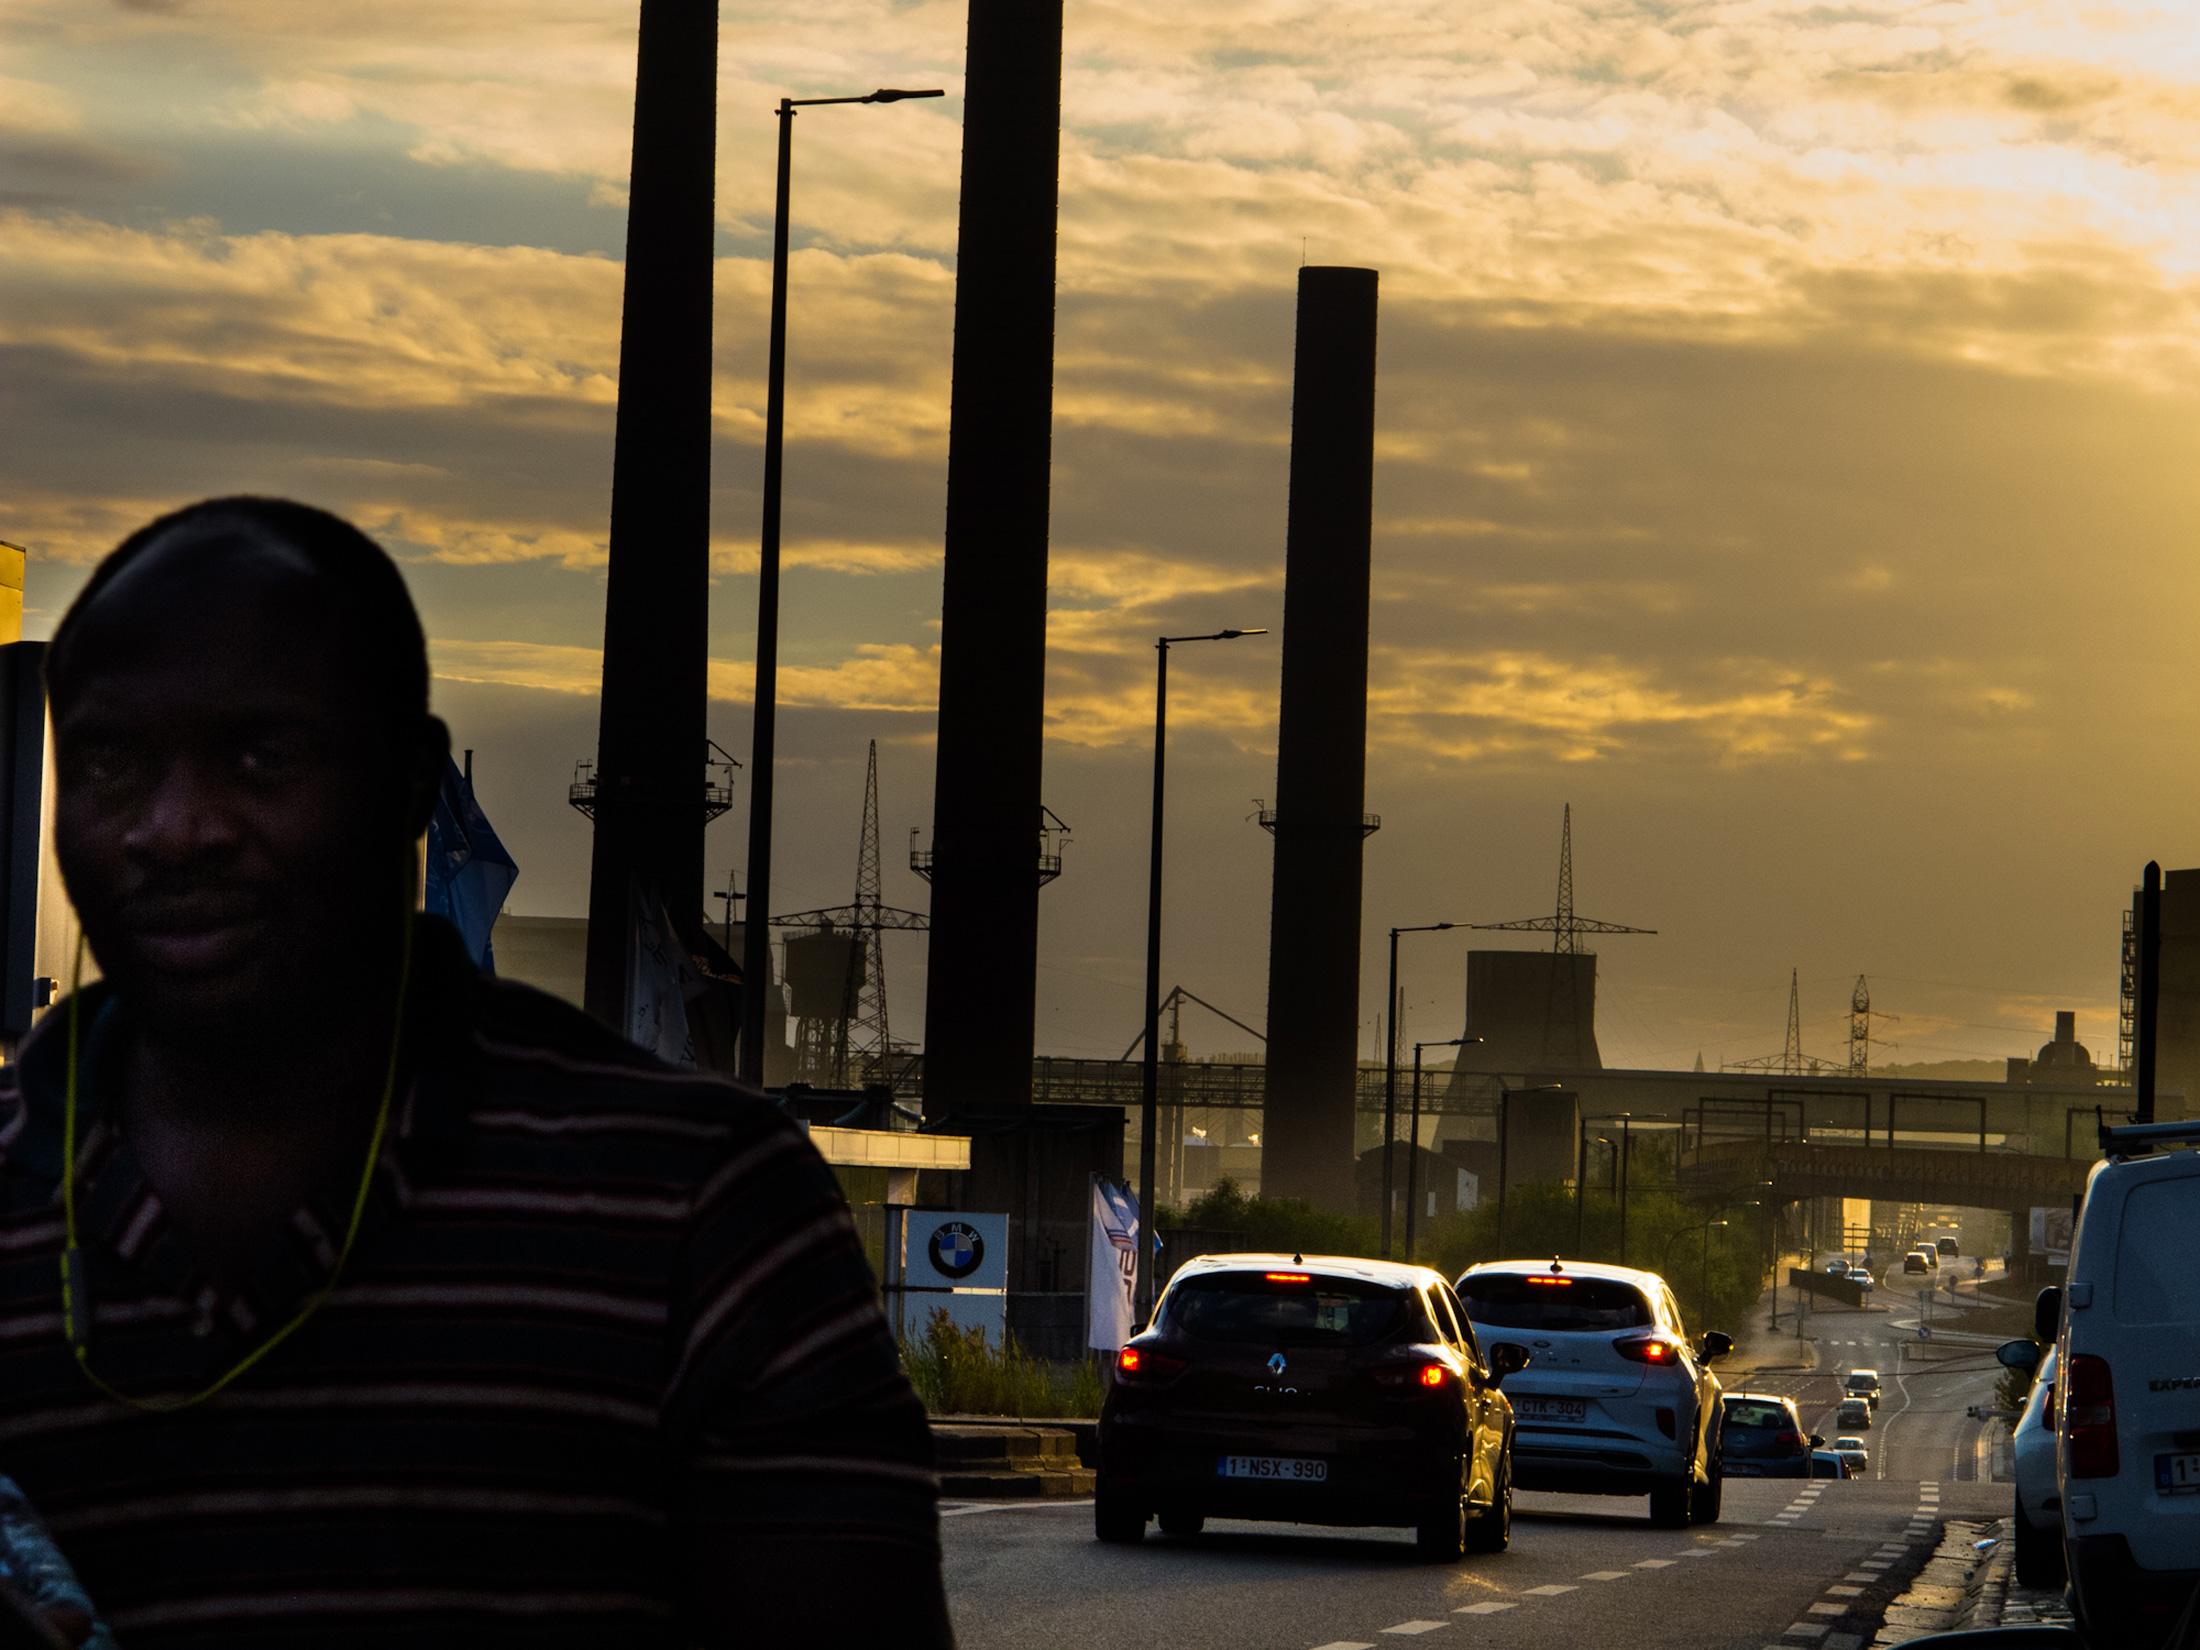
{"x": 1513, "y": 1300}
{"x": 1255, "y": 1308}
{"x": 1770, "y": 1417}
{"x": 2156, "y": 1281}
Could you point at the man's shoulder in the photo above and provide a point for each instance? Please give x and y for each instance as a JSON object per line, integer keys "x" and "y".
{"x": 534, "y": 1065}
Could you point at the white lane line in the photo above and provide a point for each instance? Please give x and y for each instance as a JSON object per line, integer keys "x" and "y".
{"x": 1846, "y": 1592}
{"x": 1605, "y": 1575}
{"x": 1551, "y": 1590}
{"x": 1747, "y": 1538}
{"x": 1829, "y": 1609}
{"x": 1011, "y": 1506}
{"x": 1861, "y": 1575}
{"x": 1807, "y": 1630}
{"x": 1412, "y": 1627}
{"x": 1653, "y": 1563}
{"x": 1697, "y": 1552}
{"x": 1345, "y": 1644}
{"x": 1488, "y": 1607}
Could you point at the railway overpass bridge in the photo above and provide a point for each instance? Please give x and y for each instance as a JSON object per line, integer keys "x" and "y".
{"x": 1804, "y": 1169}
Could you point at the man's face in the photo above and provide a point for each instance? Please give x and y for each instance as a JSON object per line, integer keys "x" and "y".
{"x": 229, "y": 822}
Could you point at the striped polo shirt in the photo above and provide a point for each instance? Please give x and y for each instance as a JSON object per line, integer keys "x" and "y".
{"x": 607, "y": 1340}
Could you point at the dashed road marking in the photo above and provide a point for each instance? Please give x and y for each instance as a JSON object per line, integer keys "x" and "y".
{"x": 1605, "y": 1575}
{"x": 1346, "y": 1644}
{"x": 1829, "y": 1609}
{"x": 1653, "y": 1563}
{"x": 1861, "y": 1575}
{"x": 1807, "y": 1630}
{"x": 1846, "y": 1592}
{"x": 1488, "y": 1607}
{"x": 1551, "y": 1590}
{"x": 1412, "y": 1627}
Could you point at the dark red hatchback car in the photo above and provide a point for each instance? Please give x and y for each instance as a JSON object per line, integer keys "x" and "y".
{"x": 1313, "y": 1390}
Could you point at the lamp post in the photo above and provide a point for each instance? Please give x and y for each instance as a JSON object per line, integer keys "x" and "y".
{"x": 756, "y": 939}
{"x": 1581, "y": 1179}
{"x": 1390, "y": 1070}
{"x": 1413, "y": 1157}
{"x": 1150, "y": 1067}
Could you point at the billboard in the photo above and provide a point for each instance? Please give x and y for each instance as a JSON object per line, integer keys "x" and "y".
{"x": 2051, "y": 1234}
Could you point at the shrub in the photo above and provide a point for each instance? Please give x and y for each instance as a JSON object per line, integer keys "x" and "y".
{"x": 1281, "y": 1224}
{"x": 959, "y": 1372}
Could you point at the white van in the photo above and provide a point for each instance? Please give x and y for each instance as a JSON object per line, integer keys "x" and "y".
{"x": 2128, "y": 1378}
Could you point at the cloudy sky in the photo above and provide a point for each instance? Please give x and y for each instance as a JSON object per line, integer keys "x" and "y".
{"x": 1788, "y": 444}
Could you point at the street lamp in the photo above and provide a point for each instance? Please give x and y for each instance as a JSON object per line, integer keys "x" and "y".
{"x": 1413, "y": 1157}
{"x": 1150, "y": 1074}
{"x": 1390, "y": 1069}
{"x": 756, "y": 939}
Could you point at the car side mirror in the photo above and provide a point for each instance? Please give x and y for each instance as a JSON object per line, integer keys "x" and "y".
{"x": 2047, "y": 1315}
{"x": 1506, "y": 1358}
{"x": 1817, "y": 1441}
{"x": 2024, "y": 1355}
{"x": 1716, "y": 1345}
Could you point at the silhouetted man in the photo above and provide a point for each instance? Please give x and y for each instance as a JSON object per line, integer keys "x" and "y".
{"x": 402, "y": 1305}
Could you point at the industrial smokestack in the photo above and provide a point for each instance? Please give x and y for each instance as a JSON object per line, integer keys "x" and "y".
{"x": 978, "y": 1021}
{"x": 649, "y": 742}
{"x": 1321, "y": 748}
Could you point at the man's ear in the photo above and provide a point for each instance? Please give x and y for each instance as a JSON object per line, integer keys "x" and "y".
{"x": 430, "y": 758}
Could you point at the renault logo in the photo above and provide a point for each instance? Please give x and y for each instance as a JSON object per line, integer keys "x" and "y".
{"x": 1275, "y": 1364}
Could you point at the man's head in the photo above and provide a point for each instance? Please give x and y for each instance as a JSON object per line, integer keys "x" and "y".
{"x": 245, "y": 756}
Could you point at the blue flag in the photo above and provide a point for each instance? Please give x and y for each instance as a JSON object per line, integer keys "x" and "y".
{"x": 469, "y": 872}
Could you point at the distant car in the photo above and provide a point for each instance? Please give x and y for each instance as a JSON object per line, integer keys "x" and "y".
{"x": 1617, "y": 1401}
{"x": 1826, "y": 1463}
{"x": 1915, "y": 1262}
{"x": 1314, "y": 1390}
{"x": 2038, "y": 1518}
{"x": 1946, "y": 1247}
{"x": 1861, "y": 1276}
{"x": 1862, "y": 1383}
{"x": 1837, "y": 1266}
{"x": 1852, "y": 1451}
{"x": 1854, "y": 1412}
{"x": 1764, "y": 1437}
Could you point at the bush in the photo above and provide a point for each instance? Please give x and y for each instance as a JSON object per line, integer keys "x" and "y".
{"x": 958, "y": 1372}
{"x": 1281, "y": 1224}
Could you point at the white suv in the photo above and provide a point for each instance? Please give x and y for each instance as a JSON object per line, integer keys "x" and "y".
{"x": 2127, "y": 1457}
{"x": 1614, "y": 1399}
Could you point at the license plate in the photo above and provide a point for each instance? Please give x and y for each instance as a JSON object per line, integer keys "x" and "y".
{"x": 1551, "y": 1409}
{"x": 2177, "y": 1474}
{"x": 1289, "y": 1469}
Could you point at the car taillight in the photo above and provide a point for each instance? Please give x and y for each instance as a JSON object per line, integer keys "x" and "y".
{"x": 1138, "y": 1363}
{"x": 1648, "y": 1349}
{"x": 1416, "y": 1377}
{"x": 1793, "y": 1442}
{"x": 2089, "y": 1409}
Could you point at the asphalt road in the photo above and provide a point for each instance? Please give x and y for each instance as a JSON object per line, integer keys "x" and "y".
{"x": 1787, "y": 1557}
{"x": 1800, "y": 1565}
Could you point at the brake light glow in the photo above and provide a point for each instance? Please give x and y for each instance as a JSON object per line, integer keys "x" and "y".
{"x": 2089, "y": 1409}
{"x": 1290, "y": 1277}
{"x": 1648, "y": 1349}
{"x": 1137, "y": 1363}
{"x": 1421, "y": 1377}
{"x": 1792, "y": 1442}
{"x": 1550, "y": 1283}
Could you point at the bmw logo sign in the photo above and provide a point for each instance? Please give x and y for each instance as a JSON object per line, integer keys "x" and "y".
{"x": 957, "y": 1250}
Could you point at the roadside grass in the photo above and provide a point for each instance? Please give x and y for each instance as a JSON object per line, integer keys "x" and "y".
{"x": 960, "y": 1372}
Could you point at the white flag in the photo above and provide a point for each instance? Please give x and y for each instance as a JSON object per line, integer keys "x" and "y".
{"x": 1113, "y": 1279}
